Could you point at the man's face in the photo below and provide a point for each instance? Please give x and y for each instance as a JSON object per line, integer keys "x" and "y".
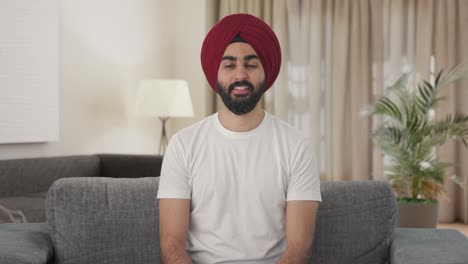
{"x": 241, "y": 78}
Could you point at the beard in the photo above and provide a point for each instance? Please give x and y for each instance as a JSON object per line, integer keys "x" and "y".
{"x": 241, "y": 104}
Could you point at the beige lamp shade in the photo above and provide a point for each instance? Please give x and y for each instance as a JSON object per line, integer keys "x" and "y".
{"x": 164, "y": 98}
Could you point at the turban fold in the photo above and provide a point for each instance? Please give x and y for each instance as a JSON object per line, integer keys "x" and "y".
{"x": 253, "y": 30}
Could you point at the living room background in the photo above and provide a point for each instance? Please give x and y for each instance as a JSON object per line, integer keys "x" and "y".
{"x": 106, "y": 47}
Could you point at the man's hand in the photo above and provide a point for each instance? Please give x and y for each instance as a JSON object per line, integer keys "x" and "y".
{"x": 174, "y": 218}
{"x": 300, "y": 228}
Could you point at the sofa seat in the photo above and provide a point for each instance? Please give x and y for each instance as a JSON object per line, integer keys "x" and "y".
{"x": 25, "y": 244}
{"x": 425, "y": 245}
{"x": 31, "y": 205}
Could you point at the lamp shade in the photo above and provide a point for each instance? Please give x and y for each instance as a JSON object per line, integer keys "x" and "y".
{"x": 164, "y": 98}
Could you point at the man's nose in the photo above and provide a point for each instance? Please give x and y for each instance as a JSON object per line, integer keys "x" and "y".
{"x": 241, "y": 73}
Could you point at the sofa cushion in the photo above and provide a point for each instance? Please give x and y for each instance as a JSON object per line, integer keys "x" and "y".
{"x": 425, "y": 245}
{"x": 25, "y": 244}
{"x": 31, "y": 205}
{"x": 104, "y": 220}
{"x": 355, "y": 223}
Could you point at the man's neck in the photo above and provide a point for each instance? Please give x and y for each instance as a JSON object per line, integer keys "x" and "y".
{"x": 241, "y": 123}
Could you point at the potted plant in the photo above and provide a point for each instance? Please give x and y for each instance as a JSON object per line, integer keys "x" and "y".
{"x": 408, "y": 134}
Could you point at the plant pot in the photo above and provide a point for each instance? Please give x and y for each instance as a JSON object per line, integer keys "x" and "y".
{"x": 418, "y": 215}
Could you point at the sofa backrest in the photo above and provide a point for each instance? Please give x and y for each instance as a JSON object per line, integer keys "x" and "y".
{"x": 130, "y": 166}
{"x": 355, "y": 223}
{"x": 32, "y": 175}
{"x": 116, "y": 220}
{"x": 104, "y": 220}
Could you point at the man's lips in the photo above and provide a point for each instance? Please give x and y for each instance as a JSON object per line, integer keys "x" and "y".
{"x": 241, "y": 90}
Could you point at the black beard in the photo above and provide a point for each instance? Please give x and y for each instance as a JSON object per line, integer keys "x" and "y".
{"x": 243, "y": 104}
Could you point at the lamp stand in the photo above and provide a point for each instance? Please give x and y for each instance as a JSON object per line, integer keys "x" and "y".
{"x": 163, "y": 142}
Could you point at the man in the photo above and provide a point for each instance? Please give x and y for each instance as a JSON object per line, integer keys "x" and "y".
{"x": 240, "y": 186}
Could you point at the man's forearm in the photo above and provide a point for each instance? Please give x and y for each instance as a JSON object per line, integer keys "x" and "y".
{"x": 294, "y": 255}
{"x": 172, "y": 254}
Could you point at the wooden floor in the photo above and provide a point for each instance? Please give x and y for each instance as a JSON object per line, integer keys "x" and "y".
{"x": 459, "y": 226}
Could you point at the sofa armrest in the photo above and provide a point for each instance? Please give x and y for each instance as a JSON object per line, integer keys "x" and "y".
{"x": 427, "y": 246}
{"x": 25, "y": 244}
{"x": 129, "y": 166}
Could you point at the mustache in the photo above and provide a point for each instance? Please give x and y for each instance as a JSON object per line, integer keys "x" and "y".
{"x": 242, "y": 83}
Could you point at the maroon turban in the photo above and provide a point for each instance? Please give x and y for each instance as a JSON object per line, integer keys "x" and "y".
{"x": 254, "y": 31}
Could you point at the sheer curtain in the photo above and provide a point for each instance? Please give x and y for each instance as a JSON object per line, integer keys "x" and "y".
{"x": 340, "y": 54}
{"x": 349, "y": 51}
{"x": 449, "y": 39}
{"x": 330, "y": 80}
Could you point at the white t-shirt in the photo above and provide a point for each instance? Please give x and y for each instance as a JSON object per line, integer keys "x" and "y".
{"x": 238, "y": 183}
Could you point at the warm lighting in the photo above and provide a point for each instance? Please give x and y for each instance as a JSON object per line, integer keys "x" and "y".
{"x": 164, "y": 99}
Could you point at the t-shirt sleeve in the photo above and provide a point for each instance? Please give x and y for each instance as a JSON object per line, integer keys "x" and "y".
{"x": 304, "y": 181}
{"x": 174, "y": 180}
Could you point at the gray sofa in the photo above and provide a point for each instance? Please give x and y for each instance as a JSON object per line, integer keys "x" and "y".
{"x": 24, "y": 182}
{"x": 115, "y": 220}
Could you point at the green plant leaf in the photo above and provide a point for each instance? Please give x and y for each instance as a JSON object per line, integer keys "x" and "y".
{"x": 411, "y": 200}
{"x": 408, "y": 136}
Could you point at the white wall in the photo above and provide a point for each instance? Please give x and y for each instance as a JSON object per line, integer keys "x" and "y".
{"x": 106, "y": 47}
{"x": 192, "y": 20}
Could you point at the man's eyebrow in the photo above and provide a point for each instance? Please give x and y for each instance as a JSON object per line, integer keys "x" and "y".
{"x": 231, "y": 58}
{"x": 250, "y": 57}
{"x": 246, "y": 58}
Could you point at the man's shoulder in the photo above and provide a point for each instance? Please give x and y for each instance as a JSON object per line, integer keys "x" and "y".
{"x": 284, "y": 129}
{"x": 194, "y": 129}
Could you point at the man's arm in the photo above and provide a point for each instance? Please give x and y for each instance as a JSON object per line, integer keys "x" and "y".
{"x": 300, "y": 227}
{"x": 174, "y": 218}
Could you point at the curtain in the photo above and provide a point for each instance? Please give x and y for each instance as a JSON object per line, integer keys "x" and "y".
{"x": 342, "y": 55}
{"x": 330, "y": 79}
{"x": 449, "y": 49}
{"x": 425, "y": 37}
{"x": 461, "y": 208}
{"x": 338, "y": 55}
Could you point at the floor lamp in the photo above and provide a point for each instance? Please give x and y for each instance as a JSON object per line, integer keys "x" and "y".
{"x": 164, "y": 99}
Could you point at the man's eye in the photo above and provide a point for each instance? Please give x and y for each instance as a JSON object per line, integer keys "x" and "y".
{"x": 251, "y": 66}
{"x": 229, "y": 66}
